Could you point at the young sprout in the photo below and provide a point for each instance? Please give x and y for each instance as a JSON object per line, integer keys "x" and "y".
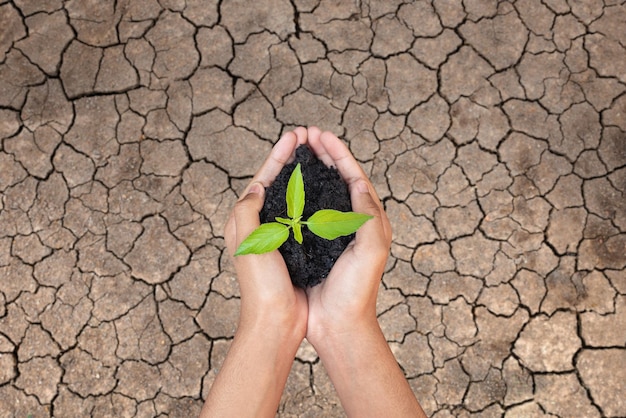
{"x": 326, "y": 223}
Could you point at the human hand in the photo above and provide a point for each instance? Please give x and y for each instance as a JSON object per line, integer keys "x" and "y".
{"x": 268, "y": 298}
{"x": 342, "y": 324}
{"x": 346, "y": 300}
{"x": 275, "y": 316}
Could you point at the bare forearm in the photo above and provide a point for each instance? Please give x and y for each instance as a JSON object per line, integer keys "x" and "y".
{"x": 365, "y": 374}
{"x": 253, "y": 376}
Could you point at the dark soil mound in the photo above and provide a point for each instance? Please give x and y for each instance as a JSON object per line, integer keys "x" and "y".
{"x": 309, "y": 263}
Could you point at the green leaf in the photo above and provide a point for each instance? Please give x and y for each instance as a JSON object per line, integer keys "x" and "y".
{"x": 285, "y": 221}
{"x": 297, "y": 232}
{"x": 264, "y": 239}
{"x": 331, "y": 224}
{"x": 295, "y": 193}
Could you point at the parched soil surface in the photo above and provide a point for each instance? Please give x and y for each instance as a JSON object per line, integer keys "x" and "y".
{"x": 494, "y": 131}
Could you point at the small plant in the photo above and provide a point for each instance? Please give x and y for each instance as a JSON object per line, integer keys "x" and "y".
{"x": 326, "y": 223}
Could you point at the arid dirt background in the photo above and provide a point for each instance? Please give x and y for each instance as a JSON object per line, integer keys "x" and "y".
{"x": 494, "y": 131}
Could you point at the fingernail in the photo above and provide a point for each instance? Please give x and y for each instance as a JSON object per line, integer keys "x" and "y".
{"x": 255, "y": 188}
{"x": 361, "y": 187}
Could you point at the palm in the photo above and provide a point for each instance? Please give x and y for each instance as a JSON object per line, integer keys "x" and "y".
{"x": 267, "y": 289}
{"x": 346, "y": 293}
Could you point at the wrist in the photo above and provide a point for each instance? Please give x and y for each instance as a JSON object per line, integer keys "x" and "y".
{"x": 339, "y": 334}
{"x": 286, "y": 329}
{"x": 258, "y": 363}
{"x": 365, "y": 373}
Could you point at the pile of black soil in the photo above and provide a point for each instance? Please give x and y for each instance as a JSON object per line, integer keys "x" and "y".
{"x": 310, "y": 262}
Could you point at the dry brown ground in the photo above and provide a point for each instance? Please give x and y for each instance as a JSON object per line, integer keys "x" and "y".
{"x": 494, "y": 131}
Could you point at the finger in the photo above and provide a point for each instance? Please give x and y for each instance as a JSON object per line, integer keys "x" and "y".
{"x": 246, "y": 212}
{"x": 301, "y": 138}
{"x": 376, "y": 231}
{"x": 301, "y": 134}
{"x": 351, "y": 171}
{"x": 279, "y": 156}
{"x": 318, "y": 148}
{"x": 342, "y": 158}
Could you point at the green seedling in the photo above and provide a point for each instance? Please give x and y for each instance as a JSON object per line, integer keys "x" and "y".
{"x": 326, "y": 223}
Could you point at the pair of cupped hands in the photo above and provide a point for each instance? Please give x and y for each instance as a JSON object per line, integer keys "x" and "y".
{"x": 338, "y": 316}
{"x": 346, "y": 299}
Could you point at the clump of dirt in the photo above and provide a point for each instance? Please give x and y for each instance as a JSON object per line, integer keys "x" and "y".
{"x": 310, "y": 262}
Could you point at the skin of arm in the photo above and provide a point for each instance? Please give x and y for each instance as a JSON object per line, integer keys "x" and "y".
{"x": 273, "y": 316}
{"x": 338, "y": 317}
{"x": 342, "y": 323}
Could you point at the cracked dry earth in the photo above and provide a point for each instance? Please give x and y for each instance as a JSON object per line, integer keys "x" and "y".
{"x": 495, "y": 133}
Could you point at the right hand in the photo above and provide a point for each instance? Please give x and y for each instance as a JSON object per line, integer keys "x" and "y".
{"x": 268, "y": 298}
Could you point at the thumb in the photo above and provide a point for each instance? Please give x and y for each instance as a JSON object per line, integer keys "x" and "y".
{"x": 361, "y": 198}
{"x": 246, "y": 211}
{"x": 377, "y": 230}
